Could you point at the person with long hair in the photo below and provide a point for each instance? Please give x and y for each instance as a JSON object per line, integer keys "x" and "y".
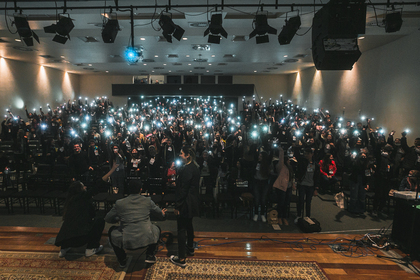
{"x": 80, "y": 226}
{"x": 187, "y": 205}
{"x": 327, "y": 169}
{"x": 261, "y": 186}
{"x": 307, "y": 176}
{"x": 118, "y": 177}
{"x": 283, "y": 188}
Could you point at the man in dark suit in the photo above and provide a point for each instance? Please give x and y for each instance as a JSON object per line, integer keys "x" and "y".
{"x": 187, "y": 205}
{"x": 135, "y": 230}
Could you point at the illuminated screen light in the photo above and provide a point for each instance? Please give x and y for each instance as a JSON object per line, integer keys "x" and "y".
{"x": 19, "y": 103}
{"x": 132, "y": 55}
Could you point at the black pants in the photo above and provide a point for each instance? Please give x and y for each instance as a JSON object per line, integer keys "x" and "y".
{"x": 305, "y": 195}
{"x": 185, "y": 235}
{"x": 91, "y": 239}
{"x": 120, "y": 252}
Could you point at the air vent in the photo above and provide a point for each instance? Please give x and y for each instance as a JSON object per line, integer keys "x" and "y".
{"x": 88, "y": 68}
{"x": 158, "y": 68}
{"x": 96, "y": 71}
{"x": 115, "y": 56}
{"x": 47, "y": 56}
{"x": 198, "y": 24}
{"x": 279, "y": 64}
{"x": 301, "y": 55}
{"x": 176, "y": 64}
{"x": 291, "y": 60}
{"x": 229, "y": 56}
{"x": 199, "y": 68}
{"x": 148, "y": 60}
{"x": 237, "y": 38}
{"x": 172, "y": 56}
{"x": 143, "y": 71}
{"x": 79, "y": 64}
{"x": 266, "y": 71}
{"x": 88, "y": 39}
{"x": 58, "y": 61}
{"x": 201, "y": 47}
{"x": 222, "y": 64}
{"x": 180, "y": 71}
{"x": 272, "y": 68}
{"x": 23, "y": 49}
{"x": 200, "y": 59}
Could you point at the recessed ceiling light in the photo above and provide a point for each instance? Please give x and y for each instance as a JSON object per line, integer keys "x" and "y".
{"x": 143, "y": 39}
{"x": 285, "y": 55}
{"x": 18, "y": 40}
{"x": 255, "y": 71}
{"x": 208, "y": 71}
{"x": 170, "y": 71}
{"x": 144, "y": 64}
{"x": 185, "y": 38}
{"x": 187, "y": 55}
{"x": 213, "y": 55}
{"x": 153, "y": 71}
{"x": 361, "y": 38}
{"x": 164, "y": 63}
{"x": 107, "y": 71}
{"x": 62, "y": 56}
{"x": 189, "y": 63}
{"x": 209, "y": 63}
{"x": 89, "y": 64}
{"x": 190, "y": 70}
{"x": 156, "y": 56}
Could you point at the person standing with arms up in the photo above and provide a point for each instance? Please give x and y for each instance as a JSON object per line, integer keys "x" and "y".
{"x": 187, "y": 205}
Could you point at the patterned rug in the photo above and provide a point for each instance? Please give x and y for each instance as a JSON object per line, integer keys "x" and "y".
{"x": 200, "y": 269}
{"x": 48, "y": 266}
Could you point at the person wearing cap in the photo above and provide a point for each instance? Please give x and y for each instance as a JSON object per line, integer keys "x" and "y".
{"x": 135, "y": 230}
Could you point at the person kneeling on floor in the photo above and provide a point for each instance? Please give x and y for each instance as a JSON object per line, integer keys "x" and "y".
{"x": 135, "y": 230}
{"x": 80, "y": 226}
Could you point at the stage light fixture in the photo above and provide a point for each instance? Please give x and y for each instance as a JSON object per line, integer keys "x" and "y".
{"x": 215, "y": 29}
{"x": 262, "y": 29}
{"x": 170, "y": 29}
{"x": 289, "y": 30}
{"x": 61, "y": 29}
{"x": 110, "y": 31}
{"x": 24, "y": 31}
{"x": 393, "y": 22}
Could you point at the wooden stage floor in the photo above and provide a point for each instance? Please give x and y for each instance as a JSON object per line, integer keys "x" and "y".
{"x": 363, "y": 264}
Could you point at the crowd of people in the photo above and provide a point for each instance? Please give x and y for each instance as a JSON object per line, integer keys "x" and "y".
{"x": 275, "y": 146}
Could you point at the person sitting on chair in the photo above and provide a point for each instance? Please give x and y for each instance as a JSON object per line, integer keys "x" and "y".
{"x": 135, "y": 230}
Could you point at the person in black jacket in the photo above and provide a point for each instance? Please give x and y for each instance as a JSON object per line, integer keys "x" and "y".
{"x": 79, "y": 223}
{"x": 187, "y": 205}
{"x": 307, "y": 174}
{"x": 360, "y": 180}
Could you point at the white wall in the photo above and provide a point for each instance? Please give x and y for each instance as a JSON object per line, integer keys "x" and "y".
{"x": 384, "y": 84}
{"x": 33, "y": 85}
{"x": 266, "y": 86}
{"x": 93, "y": 86}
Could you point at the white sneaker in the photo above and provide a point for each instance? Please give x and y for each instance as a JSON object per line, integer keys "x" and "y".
{"x": 263, "y": 219}
{"x": 91, "y": 252}
{"x": 63, "y": 252}
{"x": 255, "y": 218}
